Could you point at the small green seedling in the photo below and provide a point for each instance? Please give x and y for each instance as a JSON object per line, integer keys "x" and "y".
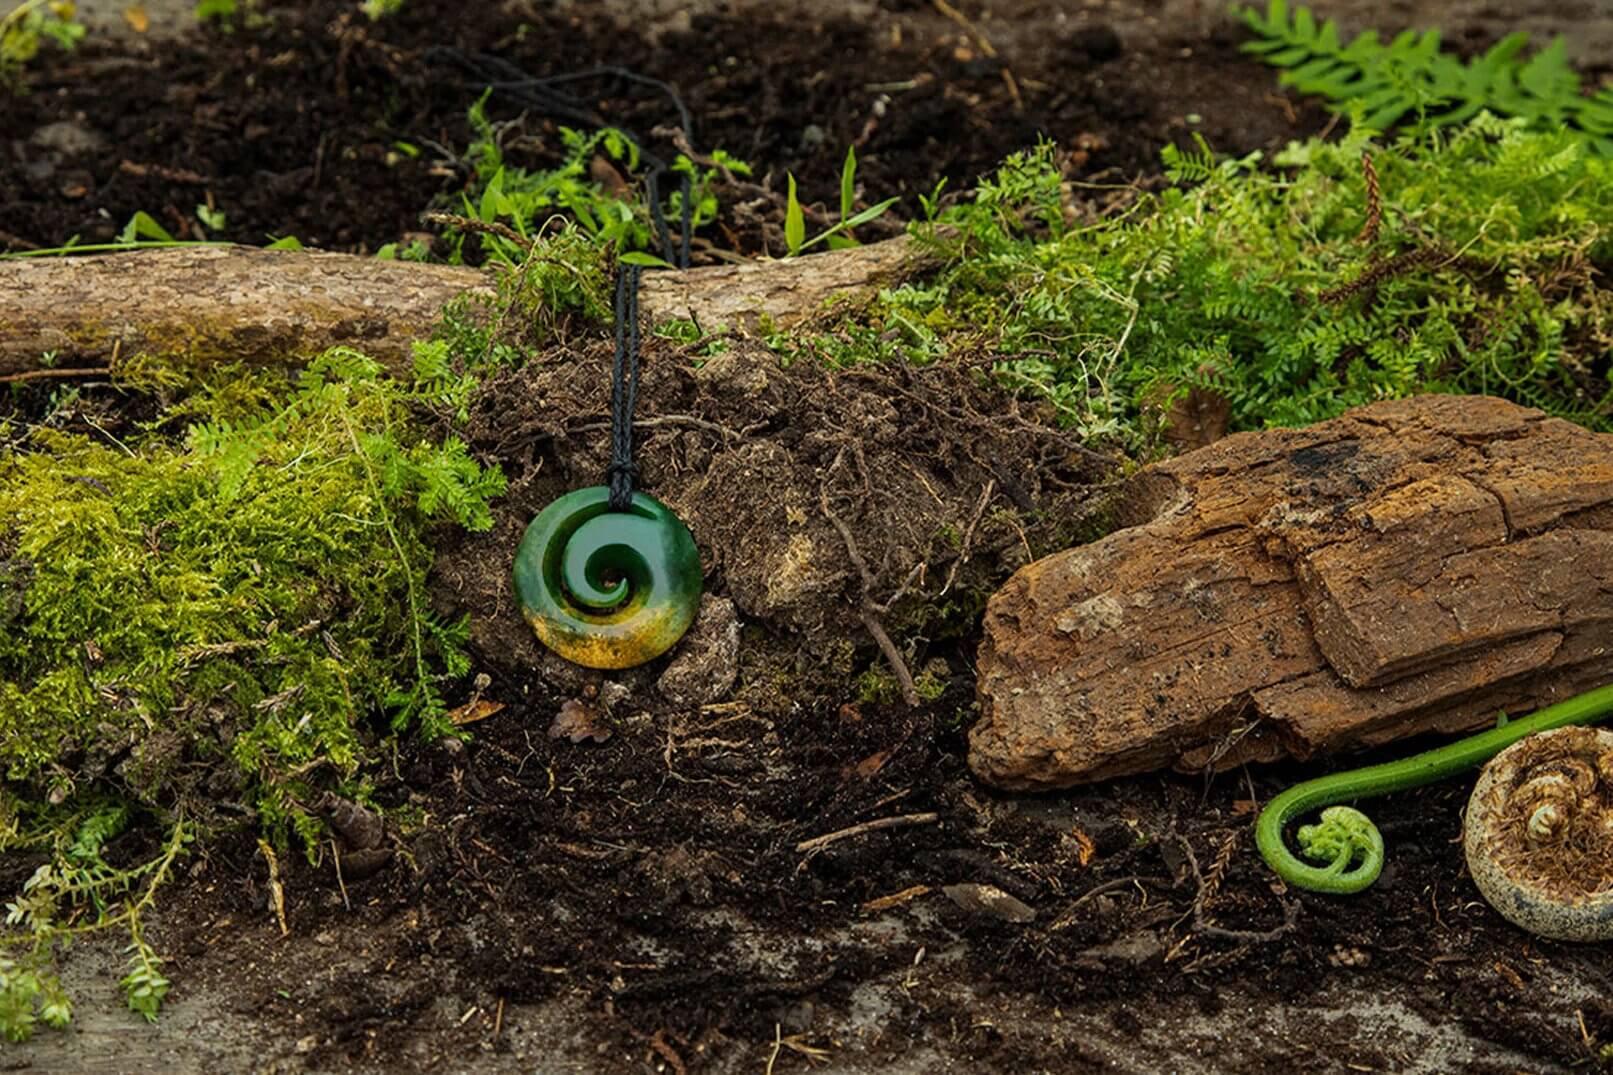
{"x": 838, "y": 235}
{"x": 29, "y": 25}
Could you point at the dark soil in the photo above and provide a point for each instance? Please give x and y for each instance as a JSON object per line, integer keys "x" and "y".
{"x": 946, "y": 483}
{"x": 308, "y": 146}
{"x": 654, "y": 881}
{"x": 642, "y": 903}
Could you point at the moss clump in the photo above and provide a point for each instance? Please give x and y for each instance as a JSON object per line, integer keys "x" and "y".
{"x": 1288, "y": 293}
{"x": 211, "y": 618}
{"x": 245, "y": 599}
{"x": 558, "y": 291}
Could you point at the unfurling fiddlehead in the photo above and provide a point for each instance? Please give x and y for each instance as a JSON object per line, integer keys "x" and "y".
{"x": 1539, "y": 834}
{"x": 608, "y": 589}
{"x": 1346, "y": 835}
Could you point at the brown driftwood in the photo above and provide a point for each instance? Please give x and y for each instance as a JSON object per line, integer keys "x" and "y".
{"x": 205, "y": 304}
{"x": 1413, "y": 566}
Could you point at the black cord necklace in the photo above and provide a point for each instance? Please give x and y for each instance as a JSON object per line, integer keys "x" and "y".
{"x": 607, "y": 576}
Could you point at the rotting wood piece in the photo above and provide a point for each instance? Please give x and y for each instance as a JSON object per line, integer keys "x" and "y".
{"x": 1413, "y": 566}
{"x": 217, "y": 304}
{"x": 242, "y": 304}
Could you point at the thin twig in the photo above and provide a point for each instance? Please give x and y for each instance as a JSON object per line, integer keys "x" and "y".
{"x": 40, "y": 375}
{"x": 481, "y": 227}
{"x": 1067, "y": 916}
{"x": 852, "y": 551}
{"x": 1202, "y": 926}
{"x": 915, "y": 575}
{"x": 968, "y": 536}
{"x": 665, "y": 420}
{"x": 985, "y": 46}
{"x": 277, "y": 892}
{"x": 12, "y": 239}
{"x": 818, "y": 843}
{"x": 778, "y": 1043}
{"x": 665, "y": 1050}
{"x": 336, "y": 855}
{"x": 869, "y": 610}
{"x": 1369, "y": 175}
{"x": 904, "y": 678}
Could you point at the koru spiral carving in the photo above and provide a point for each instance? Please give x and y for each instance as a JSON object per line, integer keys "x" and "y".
{"x": 608, "y": 589}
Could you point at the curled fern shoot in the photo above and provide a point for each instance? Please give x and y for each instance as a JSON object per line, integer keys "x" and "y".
{"x": 1346, "y": 850}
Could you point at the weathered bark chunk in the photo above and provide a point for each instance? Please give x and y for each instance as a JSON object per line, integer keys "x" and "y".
{"x": 1415, "y": 565}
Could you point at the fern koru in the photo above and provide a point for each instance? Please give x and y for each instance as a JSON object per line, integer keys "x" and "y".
{"x": 1410, "y": 77}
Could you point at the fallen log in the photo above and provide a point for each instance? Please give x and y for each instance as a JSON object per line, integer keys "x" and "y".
{"x": 242, "y": 304}
{"x": 1413, "y": 566}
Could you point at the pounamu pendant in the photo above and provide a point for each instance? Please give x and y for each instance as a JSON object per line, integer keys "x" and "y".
{"x": 608, "y": 589}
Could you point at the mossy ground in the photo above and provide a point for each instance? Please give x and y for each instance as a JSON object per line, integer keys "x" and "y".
{"x": 232, "y": 610}
{"x": 226, "y": 612}
{"x": 1341, "y": 272}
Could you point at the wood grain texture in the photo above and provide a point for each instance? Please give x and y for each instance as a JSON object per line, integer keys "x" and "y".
{"x": 242, "y": 304}
{"x": 208, "y": 304}
{"x": 1413, "y": 566}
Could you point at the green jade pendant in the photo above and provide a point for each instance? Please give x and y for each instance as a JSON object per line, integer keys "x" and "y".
{"x": 607, "y": 589}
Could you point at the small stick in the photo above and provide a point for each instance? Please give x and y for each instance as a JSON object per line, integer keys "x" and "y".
{"x": 968, "y": 536}
{"x": 895, "y": 899}
{"x": 818, "y": 843}
{"x": 893, "y": 656}
{"x": 985, "y": 46}
{"x": 1218, "y": 868}
{"x": 1201, "y": 924}
{"x": 276, "y": 891}
{"x": 1369, "y": 174}
{"x": 869, "y": 610}
{"x": 498, "y": 1019}
{"x": 337, "y": 855}
{"x": 482, "y": 227}
{"x": 778, "y": 1043}
{"x": 1067, "y": 917}
{"x": 17, "y": 241}
{"x": 40, "y": 375}
{"x": 664, "y": 1048}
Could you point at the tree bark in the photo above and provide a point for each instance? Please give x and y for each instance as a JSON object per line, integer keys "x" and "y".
{"x": 1414, "y": 566}
{"x": 240, "y": 304}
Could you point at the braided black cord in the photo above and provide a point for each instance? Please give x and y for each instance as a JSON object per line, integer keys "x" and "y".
{"x": 545, "y": 95}
{"x": 622, "y": 472}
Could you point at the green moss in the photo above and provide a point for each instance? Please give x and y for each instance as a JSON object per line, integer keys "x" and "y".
{"x": 1263, "y": 285}
{"x": 878, "y": 686}
{"x": 229, "y": 609}
{"x": 559, "y": 290}
{"x": 246, "y": 598}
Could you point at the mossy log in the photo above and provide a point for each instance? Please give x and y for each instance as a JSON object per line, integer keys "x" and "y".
{"x": 241, "y": 304}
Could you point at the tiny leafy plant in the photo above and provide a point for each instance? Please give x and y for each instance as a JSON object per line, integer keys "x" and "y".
{"x": 1412, "y": 79}
{"x": 142, "y": 232}
{"x": 839, "y": 234}
{"x": 509, "y": 207}
{"x": 28, "y": 26}
{"x": 220, "y": 11}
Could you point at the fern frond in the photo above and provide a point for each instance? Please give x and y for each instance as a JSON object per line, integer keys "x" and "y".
{"x": 1411, "y": 76}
